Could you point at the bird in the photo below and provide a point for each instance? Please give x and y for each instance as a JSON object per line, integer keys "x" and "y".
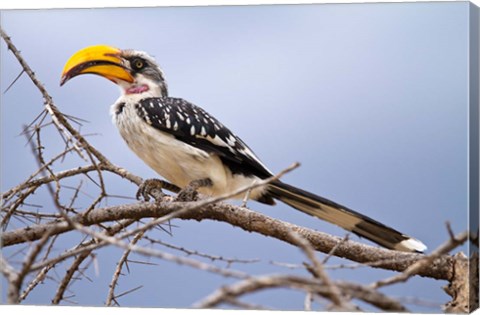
{"x": 194, "y": 151}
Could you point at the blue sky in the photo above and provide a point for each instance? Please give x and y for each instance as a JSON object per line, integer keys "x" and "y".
{"x": 371, "y": 99}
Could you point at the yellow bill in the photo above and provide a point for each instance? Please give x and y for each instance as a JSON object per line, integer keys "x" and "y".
{"x": 102, "y": 60}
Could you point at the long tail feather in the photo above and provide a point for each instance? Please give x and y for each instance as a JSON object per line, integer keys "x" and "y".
{"x": 342, "y": 216}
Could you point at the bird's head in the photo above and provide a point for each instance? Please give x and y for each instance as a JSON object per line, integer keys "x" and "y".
{"x": 134, "y": 71}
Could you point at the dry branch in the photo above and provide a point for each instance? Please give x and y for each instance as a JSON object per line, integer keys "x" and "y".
{"x": 333, "y": 293}
{"x": 68, "y": 276}
{"x": 229, "y": 261}
{"x": 251, "y": 221}
{"x": 111, "y": 292}
{"x": 253, "y": 284}
{"x": 371, "y": 296}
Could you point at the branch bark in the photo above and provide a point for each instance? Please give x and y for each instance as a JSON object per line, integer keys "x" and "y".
{"x": 463, "y": 288}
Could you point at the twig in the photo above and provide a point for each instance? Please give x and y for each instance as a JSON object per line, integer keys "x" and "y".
{"x": 254, "y": 284}
{"x": 12, "y": 277}
{"x": 68, "y": 277}
{"x": 129, "y": 291}
{"x": 332, "y": 252}
{"x": 15, "y": 80}
{"x": 371, "y": 296}
{"x": 246, "y": 306}
{"x": 37, "y": 280}
{"x": 14, "y": 206}
{"x": 15, "y": 284}
{"x": 334, "y": 293}
{"x": 189, "y": 252}
{"x": 118, "y": 270}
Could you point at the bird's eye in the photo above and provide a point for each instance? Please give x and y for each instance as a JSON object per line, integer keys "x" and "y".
{"x": 138, "y": 64}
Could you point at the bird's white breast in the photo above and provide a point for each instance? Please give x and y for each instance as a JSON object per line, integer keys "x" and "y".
{"x": 176, "y": 161}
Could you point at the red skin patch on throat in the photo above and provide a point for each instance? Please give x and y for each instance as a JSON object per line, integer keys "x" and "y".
{"x": 137, "y": 89}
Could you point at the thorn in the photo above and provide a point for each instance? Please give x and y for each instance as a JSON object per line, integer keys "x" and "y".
{"x": 450, "y": 231}
{"x": 16, "y": 79}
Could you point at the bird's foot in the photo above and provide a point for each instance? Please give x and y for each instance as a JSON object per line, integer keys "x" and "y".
{"x": 153, "y": 187}
{"x": 189, "y": 193}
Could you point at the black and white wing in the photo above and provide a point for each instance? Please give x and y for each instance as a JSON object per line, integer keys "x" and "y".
{"x": 194, "y": 126}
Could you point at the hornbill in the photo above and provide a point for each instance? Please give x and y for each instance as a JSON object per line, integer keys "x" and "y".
{"x": 192, "y": 149}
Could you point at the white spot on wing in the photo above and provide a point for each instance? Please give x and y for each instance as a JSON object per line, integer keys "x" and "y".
{"x": 145, "y": 114}
{"x": 217, "y": 141}
{"x": 231, "y": 141}
{"x": 247, "y": 152}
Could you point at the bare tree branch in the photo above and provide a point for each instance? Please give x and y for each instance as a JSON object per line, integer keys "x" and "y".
{"x": 189, "y": 252}
{"x": 253, "y": 284}
{"x": 12, "y": 277}
{"x": 318, "y": 272}
{"x": 248, "y": 220}
{"x": 111, "y": 292}
{"x": 371, "y": 296}
{"x": 68, "y": 276}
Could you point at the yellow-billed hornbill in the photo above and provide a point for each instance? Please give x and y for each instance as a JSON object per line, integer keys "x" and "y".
{"x": 185, "y": 144}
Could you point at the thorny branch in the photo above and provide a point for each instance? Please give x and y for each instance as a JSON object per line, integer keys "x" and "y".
{"x": 118, "y": 270}
{"x": 248, "y": 220}
{"x": 102, "y": 225}
{"x": 318, "y": 272}
{"x": 232, "y": 292}
{"x": 210, "y": 257}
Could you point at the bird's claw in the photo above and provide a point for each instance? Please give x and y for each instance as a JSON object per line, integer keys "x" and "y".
{"x": 190, "y": 193}
{"x": 152, "y": 187}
